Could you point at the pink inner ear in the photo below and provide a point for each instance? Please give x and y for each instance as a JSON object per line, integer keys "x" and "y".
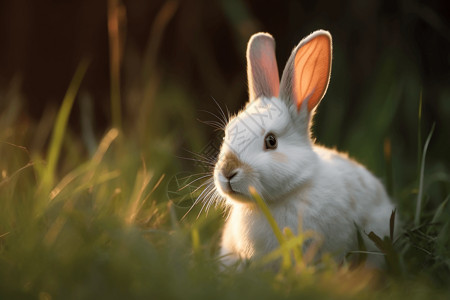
{"x": 268, "y": 62}
{"x": 262, "y": 71}
{"x": 312, "y": 71}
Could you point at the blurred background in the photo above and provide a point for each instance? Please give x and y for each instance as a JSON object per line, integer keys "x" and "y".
{"x": 165, "y": 60}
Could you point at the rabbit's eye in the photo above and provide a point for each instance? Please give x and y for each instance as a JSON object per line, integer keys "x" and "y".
{"x": 270, "y": 142}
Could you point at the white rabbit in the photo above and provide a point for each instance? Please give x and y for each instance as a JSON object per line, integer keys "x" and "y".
{"x": 268, "y": 146}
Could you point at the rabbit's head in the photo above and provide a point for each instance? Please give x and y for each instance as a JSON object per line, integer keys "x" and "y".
{"x": 268, "y": 145}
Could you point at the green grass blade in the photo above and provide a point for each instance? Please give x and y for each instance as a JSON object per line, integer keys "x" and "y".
{"x": 195, "y": 237}
{"x": 362, "y": 256}
{"x": 296, "y": 250}
{"x": 59, "y": 128}
{"x": 273, "y": 224}
{"x": 263, "y": 206}
{"x": 421, "y": 175}
{"x": 440, "y": 209}
{"x": 392, "y": 224}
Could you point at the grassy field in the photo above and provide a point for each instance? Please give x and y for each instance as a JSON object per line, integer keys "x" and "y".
{"x": 106, "y": 221}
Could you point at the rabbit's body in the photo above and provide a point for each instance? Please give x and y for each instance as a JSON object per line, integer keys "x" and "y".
{"x": 330, "y": 205}
{"x": 268, "y": 146}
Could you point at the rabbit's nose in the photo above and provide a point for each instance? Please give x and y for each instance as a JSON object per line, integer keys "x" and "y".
{"x": 229, "y": 174}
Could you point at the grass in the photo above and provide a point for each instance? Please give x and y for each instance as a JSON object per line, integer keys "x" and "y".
{"x": 108, "y": 226}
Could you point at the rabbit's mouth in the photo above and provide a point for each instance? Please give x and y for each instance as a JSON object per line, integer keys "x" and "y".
{"x": 231, "y": 189}
{"x": 238, "y": 196}
{"x": 227, "y": 188}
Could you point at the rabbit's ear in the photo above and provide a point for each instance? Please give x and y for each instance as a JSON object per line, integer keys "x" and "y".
{"x": 262, "y": 69}
{"x": 307, "y": 72}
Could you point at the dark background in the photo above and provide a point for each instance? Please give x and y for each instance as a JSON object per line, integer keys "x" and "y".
{"x": 43, "y": 41}
{"x": 386, "y": 54}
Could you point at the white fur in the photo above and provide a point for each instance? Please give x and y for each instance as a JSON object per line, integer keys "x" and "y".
{"x": 325, "y": 190}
